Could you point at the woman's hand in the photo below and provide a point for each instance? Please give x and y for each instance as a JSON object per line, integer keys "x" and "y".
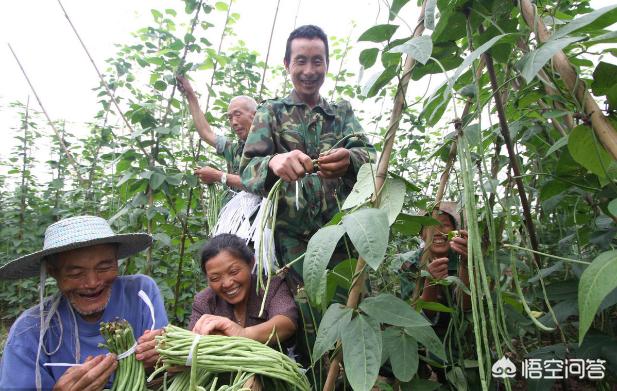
{"x": 459, "y": 243}
{"x": 146, "y": 348}
{"x": 438, "y": 268}
{"x": 212, "y": 324}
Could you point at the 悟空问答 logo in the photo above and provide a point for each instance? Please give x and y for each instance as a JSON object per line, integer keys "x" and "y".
{"x": 504, "y": 368}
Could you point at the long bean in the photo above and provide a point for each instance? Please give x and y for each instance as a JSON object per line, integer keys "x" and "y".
{"x": 119, "y": 338}
{"x": 220, "y": 354}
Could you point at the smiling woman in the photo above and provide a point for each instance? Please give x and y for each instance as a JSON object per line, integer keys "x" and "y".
{"x": 230, "y": 305}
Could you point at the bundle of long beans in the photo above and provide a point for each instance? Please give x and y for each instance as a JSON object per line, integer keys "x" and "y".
{"x": 119, "y": 338}
{"x": 207, "y": 381}
{"x": 219, "y": 354}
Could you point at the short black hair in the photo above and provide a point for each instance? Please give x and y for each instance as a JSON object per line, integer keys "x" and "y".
{"x": 308, "y": 31}
{"x": 231, "y": 243}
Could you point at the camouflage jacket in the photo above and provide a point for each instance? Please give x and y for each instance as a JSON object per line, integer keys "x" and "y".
{"x": 282, "y": 125}
{"x": 231, "y": 151}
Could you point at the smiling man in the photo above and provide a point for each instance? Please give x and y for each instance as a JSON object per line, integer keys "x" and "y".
{"x": 81, "y": 254}
{"x": 240, "y": 113}
{"x": 289, "y": 134}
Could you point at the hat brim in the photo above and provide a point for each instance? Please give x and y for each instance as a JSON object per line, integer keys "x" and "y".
{"x": 30, "y": 265}
{"x": 449, "y": 207}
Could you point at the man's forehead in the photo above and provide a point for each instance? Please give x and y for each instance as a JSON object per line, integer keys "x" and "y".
{"x": 302, "y": 47}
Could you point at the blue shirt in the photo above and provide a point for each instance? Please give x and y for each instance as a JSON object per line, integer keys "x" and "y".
{"x": 17, "y": 370}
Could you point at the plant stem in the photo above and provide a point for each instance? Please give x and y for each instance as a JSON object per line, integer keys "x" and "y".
{"x": 547, "y": 255}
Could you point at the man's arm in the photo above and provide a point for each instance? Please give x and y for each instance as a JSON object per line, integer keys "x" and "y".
{"x": 201, "y": 124}
{"x": 211, "y": 175}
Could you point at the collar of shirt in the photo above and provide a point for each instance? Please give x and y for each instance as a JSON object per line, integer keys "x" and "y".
{"x": 294, "y": 100}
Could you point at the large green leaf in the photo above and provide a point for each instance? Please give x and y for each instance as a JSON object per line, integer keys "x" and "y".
{"x": 588, "y": 152}
{"x": 596, "y": 282}
{"x": 427, "y": 337}
{"x": 392, "y": 198}
{"x": 402, "y": 349}
{"x": 429, "y": 14}
{"x": 558, "y": 145}
{"x": 318, "y": 252}
{"x": 379, "y": 33}
{"x": 391, "y": 310}
{"x": 473, "y": 56}
{"x": 379, "y": 80}
{"x": 612, "y": 207}
{"x": 362, "y": 352}
{"x": 336, "y": 318}
{"x": 156, "y": 180}
{"x": 363, "y": 188}
{"x": 418, "y": 48}
{"x": 533, "y": 61}
{"x": 368, "y": 230}
{"x": 603, "y": 78}
{"x": 587, "y": 19}
{"x": 368, "y": 57}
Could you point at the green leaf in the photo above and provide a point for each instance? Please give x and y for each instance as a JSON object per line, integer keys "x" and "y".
{"x": 368, "y": 230}
{"x": 432, "y": 306}
{"x": 392, "y": 198}
{"x": 379, "y": 33}
{"x": 612, "y": 207}
{"x": 557, "y": 146}
{"x": 160, "y": 85}
{"x": 396, "y": 7}
{"x": 596, "y": 282}
{"x": 378, "y": 81}
{"x": 363, "y": 188}
{"x": 156, "y": 180}
{"x": 427, "y": 337}
{"x": 585, "y": 20}
{"x": 336, "y": 319}
{"x": 220, "y": 6}
{"x": 318, "y": 252}
{"x": 368, "y": 57}
{"x": 603, "y": 78}
{"x": 587, "y": 151}
{"x": 392, "y": 310}
{"x": 418, "y": 48}
{"x": 174, "y": 180}
{"x": 429, "y": 14}
{"x": 473, "y": 56}
{"x": 403, "y": 352}
{"x": 362, "y": 346}
{"x": 533, "y": 61}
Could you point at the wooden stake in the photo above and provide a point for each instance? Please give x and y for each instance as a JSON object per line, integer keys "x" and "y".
{"x": 603, "y": 129}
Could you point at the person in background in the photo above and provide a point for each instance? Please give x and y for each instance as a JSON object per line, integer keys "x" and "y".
{"x": 240, "y": 113}
{"x": 81, "y": 254}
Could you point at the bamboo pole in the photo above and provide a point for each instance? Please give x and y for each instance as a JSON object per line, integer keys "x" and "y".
{"x": 603, "y": 129}
{"x": 382, "y": 172}
{"x": 263, "y": 75}
{"x": 51, "y": 124}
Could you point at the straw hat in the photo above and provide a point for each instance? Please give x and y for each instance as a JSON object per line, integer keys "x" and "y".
{"x": 72, "y": 233}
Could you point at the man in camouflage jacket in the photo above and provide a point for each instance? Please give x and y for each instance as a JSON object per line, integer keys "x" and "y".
{"x": 289, "y": 134}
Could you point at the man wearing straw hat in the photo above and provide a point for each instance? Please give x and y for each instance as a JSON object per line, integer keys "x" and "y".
{"x": 55, "y": 344}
